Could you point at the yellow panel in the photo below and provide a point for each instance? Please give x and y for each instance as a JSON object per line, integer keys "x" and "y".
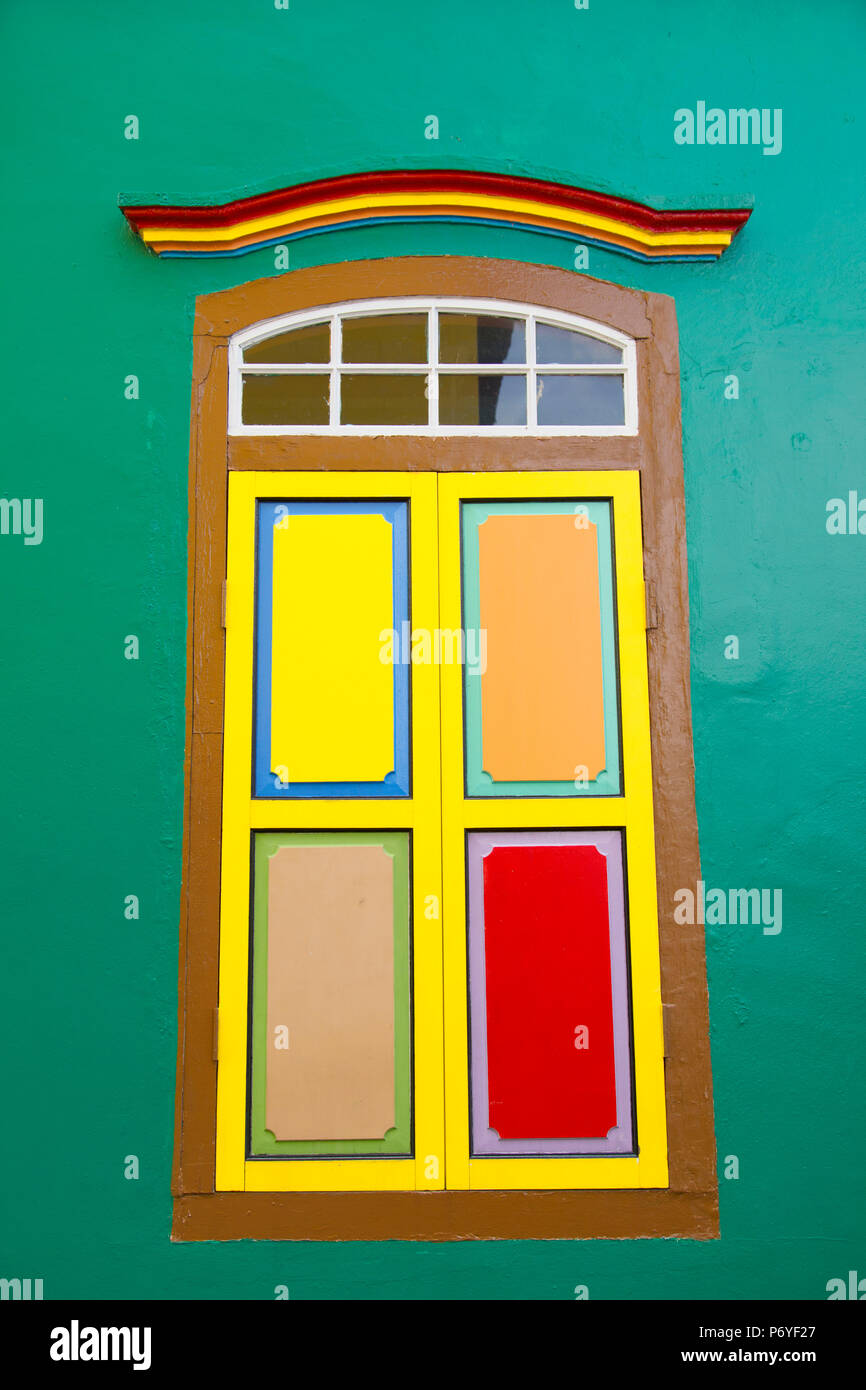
{"x": 334, "y": 813}
{"x": 234, "y": 881}
{"x": 633, "y": 812}
{"x": 421, "y": 814}
{"x": 332, "y": 698}
{"x": 331, "y": 1175}
{"x": 526, "y": 1174}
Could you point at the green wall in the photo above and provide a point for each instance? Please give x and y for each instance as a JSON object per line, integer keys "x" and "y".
{"x": 237, "y": 96}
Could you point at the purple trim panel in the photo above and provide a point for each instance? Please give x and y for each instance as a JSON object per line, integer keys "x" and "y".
{"x": 620, "y": 1140}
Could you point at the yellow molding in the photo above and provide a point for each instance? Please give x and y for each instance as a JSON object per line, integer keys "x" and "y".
{"x": 335, "y": 207}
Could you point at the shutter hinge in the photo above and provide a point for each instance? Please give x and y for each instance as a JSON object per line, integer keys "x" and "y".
{"x": 665, "y": 1026}
{"x": 224, "y": 603}
{"x": 652, "y": 615}
{"x": 216, "y": 1034}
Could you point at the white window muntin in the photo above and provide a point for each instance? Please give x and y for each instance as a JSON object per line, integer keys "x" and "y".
{"x": 433, "y": 369}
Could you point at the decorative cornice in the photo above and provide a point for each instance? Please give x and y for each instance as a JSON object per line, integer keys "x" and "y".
{"x": 435, "y": 195}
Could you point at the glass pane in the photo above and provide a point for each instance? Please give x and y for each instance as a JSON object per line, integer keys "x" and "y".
{"x": 290, "y": 399}
{"x": 309, "y": 344}
{"x": 563, "y": 346}
{"x": 482, "y": 400}
{"x": 580, "y": 400}
{"x": 385, "y": 338}
{"x": 481, "y": 338}
{"x": 372, "y": 399}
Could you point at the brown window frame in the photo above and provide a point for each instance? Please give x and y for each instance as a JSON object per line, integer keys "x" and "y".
{"x": 688, "y": 1207}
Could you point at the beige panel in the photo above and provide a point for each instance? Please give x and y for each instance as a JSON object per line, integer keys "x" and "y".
{"x": 330, "y": 992}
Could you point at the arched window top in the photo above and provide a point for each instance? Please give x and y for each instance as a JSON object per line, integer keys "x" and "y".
{"x": 432, "y": 366}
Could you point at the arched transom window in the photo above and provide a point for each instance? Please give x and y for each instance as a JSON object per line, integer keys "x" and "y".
{"x": 432, "y": 366}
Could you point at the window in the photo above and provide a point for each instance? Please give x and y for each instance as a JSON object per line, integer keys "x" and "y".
{"x": 323, "y": 645}
{"x": 458, "y": 366}
{"x": 454, "y": 706}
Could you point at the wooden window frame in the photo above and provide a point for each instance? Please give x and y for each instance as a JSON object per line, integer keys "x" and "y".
{"x": 688, "y": 1205}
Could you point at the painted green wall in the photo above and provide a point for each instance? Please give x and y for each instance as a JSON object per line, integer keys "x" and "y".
{"x": 232, "y": 96}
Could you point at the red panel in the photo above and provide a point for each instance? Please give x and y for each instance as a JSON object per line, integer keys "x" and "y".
{"x": 547, "y": 949}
